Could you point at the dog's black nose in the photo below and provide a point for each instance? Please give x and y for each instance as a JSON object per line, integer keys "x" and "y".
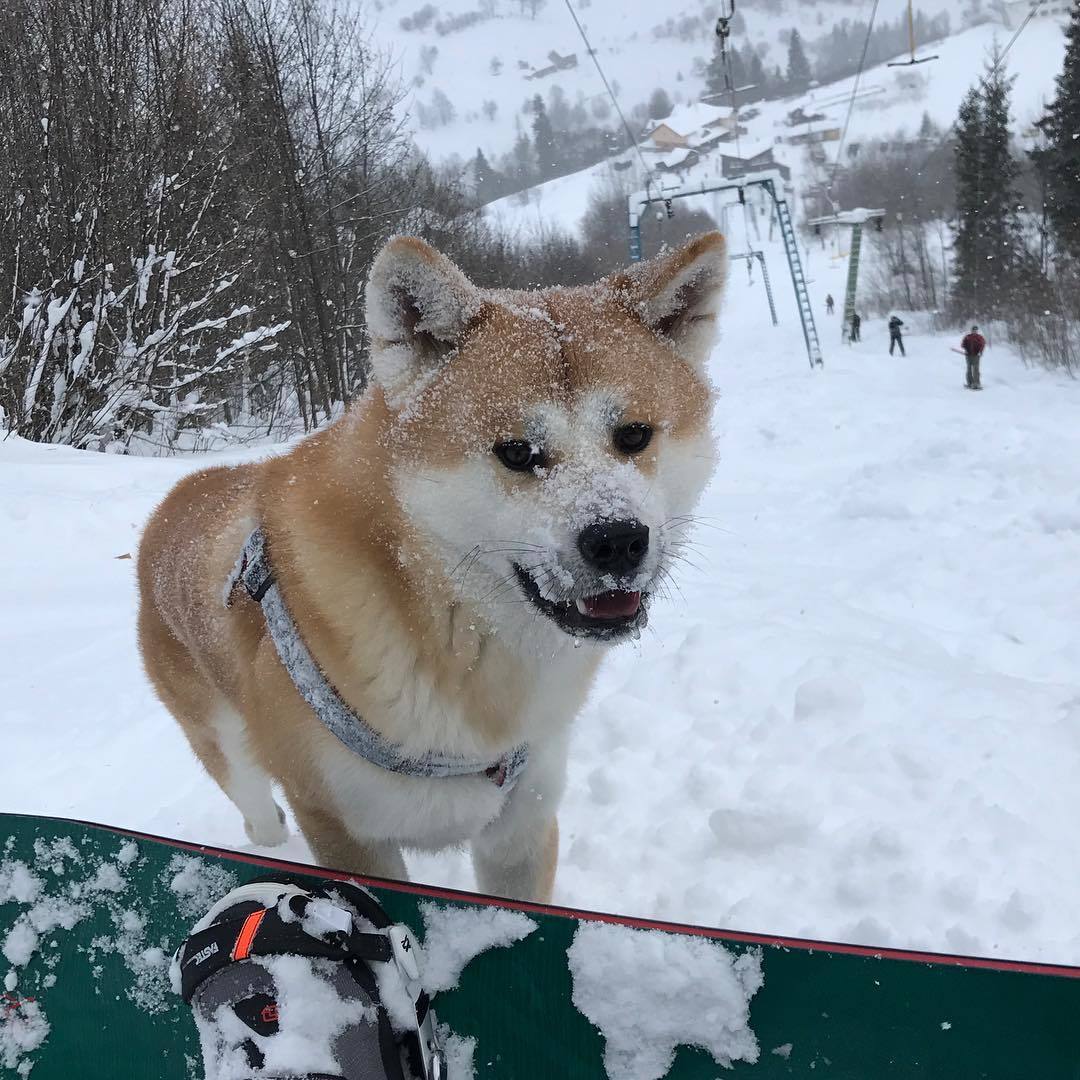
{"x": 614, "y": 547}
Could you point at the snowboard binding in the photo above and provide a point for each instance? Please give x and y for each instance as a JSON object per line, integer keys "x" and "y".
{"x": 287, "y": 983}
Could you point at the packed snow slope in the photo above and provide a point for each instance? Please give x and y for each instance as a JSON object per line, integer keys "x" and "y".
{"x": 858, "y": 718}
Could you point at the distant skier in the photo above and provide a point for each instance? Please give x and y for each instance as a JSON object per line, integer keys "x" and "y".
{"x": 829, "y": 304}
{"x": 856, "y": 326}
{"x": 973, "y": 346}
{"x": 895, "y": 337}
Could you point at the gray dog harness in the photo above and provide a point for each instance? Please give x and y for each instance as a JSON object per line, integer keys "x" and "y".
{"x": 254, "y": 572}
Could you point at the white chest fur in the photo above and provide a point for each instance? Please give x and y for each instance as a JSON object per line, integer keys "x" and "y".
{"x": 377, "y": 805}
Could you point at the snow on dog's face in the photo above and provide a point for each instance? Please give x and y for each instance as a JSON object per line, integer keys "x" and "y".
{"x": 547, "y": 446}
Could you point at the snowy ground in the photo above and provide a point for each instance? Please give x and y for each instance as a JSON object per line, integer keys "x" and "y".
{"x": 859, "y": 720}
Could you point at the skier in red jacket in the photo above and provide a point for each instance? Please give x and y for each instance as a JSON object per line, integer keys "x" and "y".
{"x": 973, "y": 345}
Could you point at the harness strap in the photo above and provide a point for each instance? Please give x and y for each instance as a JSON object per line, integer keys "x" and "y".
{"x": 254, "y": 572}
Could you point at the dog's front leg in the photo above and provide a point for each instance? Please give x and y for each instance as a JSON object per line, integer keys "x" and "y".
{"x": 335, "y": 847}
{"x": 518, "y": 864}
{"x": 516, "y": 855}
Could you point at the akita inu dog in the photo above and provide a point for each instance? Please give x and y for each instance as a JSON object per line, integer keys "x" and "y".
{"x": 398, "y": 619}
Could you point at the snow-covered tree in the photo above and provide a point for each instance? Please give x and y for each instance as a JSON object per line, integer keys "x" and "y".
{"x": 187, "y": 212}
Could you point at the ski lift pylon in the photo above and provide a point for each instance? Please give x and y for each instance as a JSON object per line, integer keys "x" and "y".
{"x": 911, "y": 44}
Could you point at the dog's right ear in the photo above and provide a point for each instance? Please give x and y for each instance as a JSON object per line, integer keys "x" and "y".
{"x": 419, "y": 305}
{"x": 678, "y": 294}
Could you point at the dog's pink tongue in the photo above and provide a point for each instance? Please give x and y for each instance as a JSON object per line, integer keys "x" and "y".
{"x": 612, "y": 605}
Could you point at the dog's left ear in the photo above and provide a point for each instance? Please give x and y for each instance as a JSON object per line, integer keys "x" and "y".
{"x": 419, "y": 305}
{"x": 678, "y": 295}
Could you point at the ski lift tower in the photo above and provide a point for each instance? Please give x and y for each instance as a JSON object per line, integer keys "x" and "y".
{"x": 855, "y": 220}
{"x": 773, "y": 183}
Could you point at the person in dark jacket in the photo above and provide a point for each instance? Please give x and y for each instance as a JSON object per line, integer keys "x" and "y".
{"x": 973, "y": 346}
{"x": 856, "y": 326}
{"x": 895, "y": 337}
{"x": 829, "y": 304}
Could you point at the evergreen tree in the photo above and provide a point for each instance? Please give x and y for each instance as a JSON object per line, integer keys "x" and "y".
{"x": 522, "y": 162}
{"x": 715, "y": 78}
{"x": 489, "y": 183}
{"x": 758, "y": 78}
{"x": 746, "y": 70}
{"x": 1061, "y": 158}
{"x": 798, "y": 67}
{"x": 659, "y": 105}
{"x": 968, "y": 255}
{"x": 1005, "y": 253}
{"x": 544, "y": 139}
{"x": 991, "y": 266}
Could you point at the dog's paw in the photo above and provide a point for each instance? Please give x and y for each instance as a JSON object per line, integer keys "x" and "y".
{"x": 267, "y": 832}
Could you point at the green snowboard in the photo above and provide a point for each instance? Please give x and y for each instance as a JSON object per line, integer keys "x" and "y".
{"x": 89, "y": 917}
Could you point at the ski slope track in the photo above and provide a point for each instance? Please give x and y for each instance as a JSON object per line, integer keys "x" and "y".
{"x": 858, "y": 718}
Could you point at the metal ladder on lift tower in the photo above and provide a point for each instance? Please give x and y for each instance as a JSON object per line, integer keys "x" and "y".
{"x": 798, "y": 279}
{"x": 852, "y": 281}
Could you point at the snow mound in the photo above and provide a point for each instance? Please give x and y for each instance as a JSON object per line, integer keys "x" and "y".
{"x": 649, "y": 992}
{"x": 197, "y": 884}
{"x": 455, "y": 936}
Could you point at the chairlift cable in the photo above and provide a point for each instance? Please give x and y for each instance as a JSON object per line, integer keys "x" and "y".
{"x": 611, "y": 93}
{"x": 851, "y": 100}
{"x": 723, "y": 32}
{"x": 1019, "y": 30}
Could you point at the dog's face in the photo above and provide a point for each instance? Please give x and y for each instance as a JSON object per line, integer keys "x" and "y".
{"x": 547, "y": 448}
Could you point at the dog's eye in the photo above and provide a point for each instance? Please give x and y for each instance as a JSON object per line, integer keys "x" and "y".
{"x": 632, "y": 438}
{"x": 519, "y": 455}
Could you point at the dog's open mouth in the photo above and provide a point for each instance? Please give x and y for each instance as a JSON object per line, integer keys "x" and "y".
{"x": 609, "y": 614}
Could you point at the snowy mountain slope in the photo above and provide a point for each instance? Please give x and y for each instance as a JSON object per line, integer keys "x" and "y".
{"x": 859, "y": 717}
{"x": 635, "y": 58}
{"x": 895, "y": 100}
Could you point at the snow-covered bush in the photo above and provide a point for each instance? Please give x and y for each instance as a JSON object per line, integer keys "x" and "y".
{"x": 420, "y": 19}
{"x": 452, "y": 24}
{"x": 187, "y": 212}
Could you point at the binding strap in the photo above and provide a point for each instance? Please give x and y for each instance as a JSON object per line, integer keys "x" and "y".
{"x": 260, "y": 931}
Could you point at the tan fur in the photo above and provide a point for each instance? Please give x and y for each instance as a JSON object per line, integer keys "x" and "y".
{"x": 377, "y": 612}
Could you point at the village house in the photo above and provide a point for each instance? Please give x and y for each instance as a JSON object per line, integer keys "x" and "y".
{"x": 697, "y": 127}
{"x": 750, "y": 159}
{"x": 558, "y": 63}
{"x": 678, "y": 161}
{"x": 811, "y": 138}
